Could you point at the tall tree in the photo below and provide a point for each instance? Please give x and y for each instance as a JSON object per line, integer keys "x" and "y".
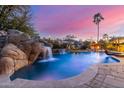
{"x": 16, "y": 17}
{"x": 97, "y": 19}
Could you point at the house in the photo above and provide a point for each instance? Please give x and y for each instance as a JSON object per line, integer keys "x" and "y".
{"x": 118, "y": 43}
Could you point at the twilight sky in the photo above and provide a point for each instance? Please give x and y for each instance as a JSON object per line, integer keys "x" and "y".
{"x": 58, "y": 21}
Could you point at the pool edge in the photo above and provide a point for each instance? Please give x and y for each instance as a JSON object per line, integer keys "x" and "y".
{"x": 65, "y": 83}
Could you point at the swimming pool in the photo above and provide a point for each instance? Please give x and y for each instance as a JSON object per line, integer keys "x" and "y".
{"x": 62, "y": 66}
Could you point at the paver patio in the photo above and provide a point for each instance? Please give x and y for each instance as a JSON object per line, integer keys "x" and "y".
{"x": 108, "y": 76}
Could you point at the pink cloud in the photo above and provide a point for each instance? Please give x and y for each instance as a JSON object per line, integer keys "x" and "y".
{"x": 62, "y": 20}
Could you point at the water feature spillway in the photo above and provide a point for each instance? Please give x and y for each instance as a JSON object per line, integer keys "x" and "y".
{"x": 48, "y": 55}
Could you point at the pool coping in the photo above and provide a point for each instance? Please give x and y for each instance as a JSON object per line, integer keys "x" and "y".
{"x": 121, "y": 59}
{"x": 65, "y": 83}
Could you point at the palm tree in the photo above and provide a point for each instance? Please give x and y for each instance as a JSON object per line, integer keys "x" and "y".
{"x": 97, "y": 19}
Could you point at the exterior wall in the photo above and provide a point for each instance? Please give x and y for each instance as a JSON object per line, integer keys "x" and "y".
{"x": 120, "y": 42}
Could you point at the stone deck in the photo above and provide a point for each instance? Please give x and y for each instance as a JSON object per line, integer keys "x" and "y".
{"x": 108, "y": 76}
{"x": 98, "y": 76}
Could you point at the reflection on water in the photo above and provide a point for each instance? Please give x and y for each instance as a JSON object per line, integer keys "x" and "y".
{"x": 63, "y": 66}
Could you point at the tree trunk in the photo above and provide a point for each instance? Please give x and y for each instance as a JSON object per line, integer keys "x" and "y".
{"x": 98, "y": 34}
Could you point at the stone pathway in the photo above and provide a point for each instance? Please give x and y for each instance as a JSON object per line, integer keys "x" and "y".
{"x": 108, "y": 76}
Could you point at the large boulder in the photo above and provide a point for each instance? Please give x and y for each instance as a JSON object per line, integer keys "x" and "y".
{"x": 26, "y": 47}
{"x": 32, "y": 49}
{"x": 6, "y": 65}
{"x": 19, "y": 51}
{"x": 10, "y": 55}
{"x": 35, "y": 52}
{"x": 15, "y": 37}
{"x": 10, "y": 50}
{"x": 30, "y": 46}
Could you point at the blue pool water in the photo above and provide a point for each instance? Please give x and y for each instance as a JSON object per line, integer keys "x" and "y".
{"x": 62, "y": 66}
